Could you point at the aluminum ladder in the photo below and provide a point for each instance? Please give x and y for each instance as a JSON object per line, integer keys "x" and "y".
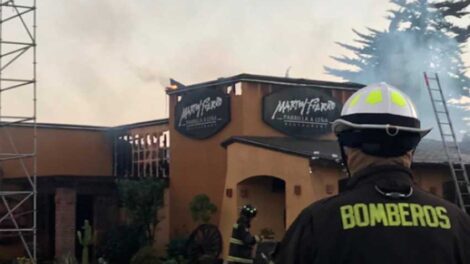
{"x": 449, "y": 142}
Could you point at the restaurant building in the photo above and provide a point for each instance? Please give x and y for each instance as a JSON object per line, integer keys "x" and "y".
{"x": 252, "y": 139}
{"x": 266, "y": 141}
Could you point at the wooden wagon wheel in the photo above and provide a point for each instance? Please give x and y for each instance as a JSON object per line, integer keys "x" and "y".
{"x": 205, "y": 240}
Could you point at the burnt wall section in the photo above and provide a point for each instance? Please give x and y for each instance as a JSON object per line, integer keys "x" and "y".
{"x": 142, "y": 152}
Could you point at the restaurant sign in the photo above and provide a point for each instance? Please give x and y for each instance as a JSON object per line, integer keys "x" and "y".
{"x": 300, "y": 111}
{"x": 202, "y": 113}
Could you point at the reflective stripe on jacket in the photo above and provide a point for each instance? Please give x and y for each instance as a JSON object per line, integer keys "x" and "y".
{"x": 241, "y": 244}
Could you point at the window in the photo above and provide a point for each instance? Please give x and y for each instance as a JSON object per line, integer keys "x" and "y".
{"x": 142, "y": 155}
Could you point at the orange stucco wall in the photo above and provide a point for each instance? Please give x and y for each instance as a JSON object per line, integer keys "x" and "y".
{"x": 59, "y": 152}
{"x": 293, "y": 170}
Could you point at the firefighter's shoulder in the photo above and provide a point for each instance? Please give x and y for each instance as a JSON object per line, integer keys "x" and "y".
{"x": 330, "y": 202}
{"x": 319, "y": 205}
{"x": 451, "y": 208}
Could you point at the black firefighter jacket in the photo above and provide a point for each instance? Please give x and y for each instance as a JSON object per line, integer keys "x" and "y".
{"x": 363, "y": 225}
{"x": 241, "y": 243}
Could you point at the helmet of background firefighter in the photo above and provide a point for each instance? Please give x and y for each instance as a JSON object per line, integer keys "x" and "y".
{"x": 380, "y": 120}
{"x": 248, "y": 211}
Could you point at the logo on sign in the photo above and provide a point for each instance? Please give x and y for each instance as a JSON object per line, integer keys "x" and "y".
{"x": 301, "y": 112}
{"x": 201, "y": 114}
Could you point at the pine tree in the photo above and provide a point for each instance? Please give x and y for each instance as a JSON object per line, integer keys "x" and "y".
{"x": 419, "y": 38}
{"x": 452, "y": 9}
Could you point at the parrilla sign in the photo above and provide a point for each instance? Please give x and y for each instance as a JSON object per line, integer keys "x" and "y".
{"x": 201, "y": 114}
{"x": 300, "y": 112}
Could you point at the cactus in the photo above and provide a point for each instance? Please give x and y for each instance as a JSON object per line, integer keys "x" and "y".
{"x": 85, "y": 240}
{"x": 24, "y": 260}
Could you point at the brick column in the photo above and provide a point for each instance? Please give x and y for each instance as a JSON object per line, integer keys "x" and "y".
{"x": 65, "y": 204}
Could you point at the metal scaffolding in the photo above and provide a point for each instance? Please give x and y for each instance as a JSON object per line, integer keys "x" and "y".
{"x": 18, "y": 114}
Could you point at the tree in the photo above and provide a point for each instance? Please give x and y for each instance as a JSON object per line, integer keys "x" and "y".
{"x": 455, "y": 9}
{"x": 142, "y": 199}
{"x": 202, "y": 208}
{"x": 419, "y": 38}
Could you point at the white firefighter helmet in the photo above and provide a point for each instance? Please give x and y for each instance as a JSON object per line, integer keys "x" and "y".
{"x": 380, "y": 120}
{"x": 379, "y": 106}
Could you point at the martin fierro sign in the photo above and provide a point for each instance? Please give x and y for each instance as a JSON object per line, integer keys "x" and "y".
{"x": 201, "y": 114}
{"x": 300, "y": 112}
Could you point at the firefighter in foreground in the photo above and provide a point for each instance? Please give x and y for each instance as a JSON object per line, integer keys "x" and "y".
{"x": 242, "y": 242}
{"x": 382, "y": 217}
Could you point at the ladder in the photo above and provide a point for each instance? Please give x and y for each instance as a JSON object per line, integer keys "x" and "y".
{"x": 449, "y": 142}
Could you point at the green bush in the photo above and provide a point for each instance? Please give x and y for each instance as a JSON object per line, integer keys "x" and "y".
{"x": 119, "y": 244}
{"x": 176, "y": 248}
{"x": 142, "y": 199}
{"x": 176, "y": 260}
{"x": 146, "y": 255}
{"x": 24, "y": 260}
{"x": 202, "y": 208}
{"x": 267, "y": 233}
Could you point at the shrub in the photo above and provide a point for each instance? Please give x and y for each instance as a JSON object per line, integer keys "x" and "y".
{"x": 146, "y": 255}
{"x": 24, "y": 260}
{"x": 142, "y": 199}
{"x": 176, "y": 260}
{"x": 202, "y": 208}
{"x": 267, "y": 233}
{"x": 176, "y": 248}
{"x": 120, "y": 243}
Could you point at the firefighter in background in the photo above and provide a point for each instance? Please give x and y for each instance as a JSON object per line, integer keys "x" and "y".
{"x": 382, "y": 217}
{"x": 242, "y": 242}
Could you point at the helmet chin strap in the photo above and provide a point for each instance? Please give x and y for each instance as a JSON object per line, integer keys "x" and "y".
{"x": 344, "y": 158}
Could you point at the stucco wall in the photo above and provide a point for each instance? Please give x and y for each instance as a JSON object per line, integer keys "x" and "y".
{"x": 246, "y": 161}
{"x": 59, "y": 152}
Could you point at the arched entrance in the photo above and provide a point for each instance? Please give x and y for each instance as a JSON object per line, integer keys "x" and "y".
{"x": 268, "y": 195}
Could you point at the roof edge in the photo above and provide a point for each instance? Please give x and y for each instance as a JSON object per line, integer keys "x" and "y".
{"x": 238, "y": 139}
{"x": 93, "y": 128}
{"x": 244, "y": 77}
{"x": 62, "y": 126}
{"x": 154, "y": 122}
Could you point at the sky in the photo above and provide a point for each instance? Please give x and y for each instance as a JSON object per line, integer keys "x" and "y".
{"x": 106, "y": 62}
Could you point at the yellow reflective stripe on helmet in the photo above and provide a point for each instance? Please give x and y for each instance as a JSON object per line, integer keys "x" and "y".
{"x": 239, "y": 260}
{"x": 236, "y": 241}
{"x": 398, "y": 99}
{"x": 235, "y": 226}
{"x": 374, "y": 97}
{"x": 355, "y": 99}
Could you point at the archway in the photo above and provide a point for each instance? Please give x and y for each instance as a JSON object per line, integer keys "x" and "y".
{"x": 268, "y": 195}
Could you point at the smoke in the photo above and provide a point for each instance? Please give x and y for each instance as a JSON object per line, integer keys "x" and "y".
{"x": 106, "y": 62}
{"x": 149, "y": 74}
{"x": 403, "y": 52}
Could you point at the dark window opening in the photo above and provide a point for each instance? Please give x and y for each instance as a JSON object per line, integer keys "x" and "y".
{"x": 142, "y": 155}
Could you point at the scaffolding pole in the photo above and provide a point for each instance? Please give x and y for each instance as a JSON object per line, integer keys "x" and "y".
{"x": 18, "y": 204}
